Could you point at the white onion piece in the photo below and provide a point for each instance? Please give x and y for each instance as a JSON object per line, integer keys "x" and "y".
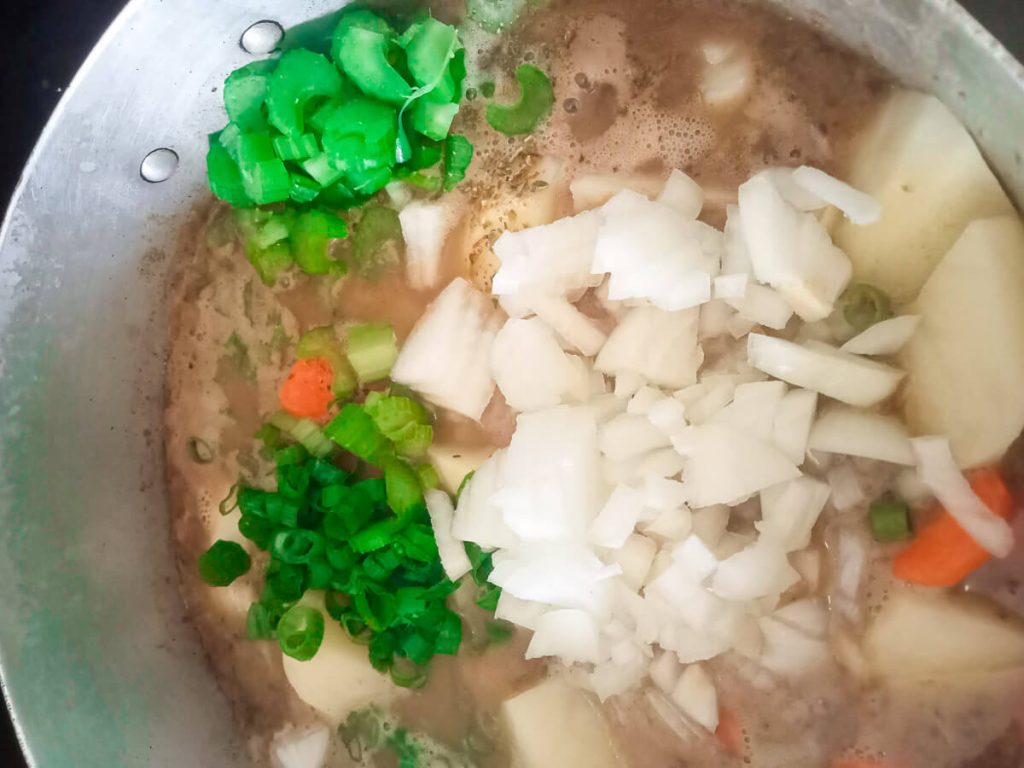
{"x": 626, "y": 436}
{"x": 627, "y": 384}
{"x": 477, "y": 517}
{"x": 758, "y": 571}
{"x": 761, "y": 305}
{"x": 308, "y": 750}
{"x": 791, "y": 251}
{"x": 578, "y": 330}
{"x": 562, "y": 575}
{"x": 714, "y": 319}
{"x": 668, "y": 415}
{"x": 661, "y": 347}
{"x": 548, "y": 487}
{"x": 793, "y": 420}
{"x": 424, "y": 228}
{"x": 736, "y": 260}
{"x": 794, "y": 638}
{"x": 753, "y": 408}
{"x": 611, "y": 678}
{"x": 530, "y": 368}
{"x": 790, "y": 510}
{"x": 794, "y": 194}
{"x": 520, "y": 612}
{"x": 451, "y": 552}
{"x": 940, "y": 473}
{"x": 851, "y": 562}
{"x": 724, "y": 465}
{"x": 651, "y": 252}
{"x": 665, "y": 671}
{"x": 446, "y": 357}
{"x": 885, "y": 338}
{"x": 847, "y": 491}
{"x": 643, "y": 400}
{"x": 635, "y": 557}
{"x": 852, "y": 432}
{"x": 731, "y": 286}
{"x": 813, "y": 365}
{"x": 670, "y": 524}
{"x": 662, "y": 494}
{"x": 617, "y": 518}
{"x": 709, "y": 524}
{"x": 860, "y": 208}
{"x": 728, "y": 79}
{"x": 569, "y": 633}
{"x": 553, "y": 258}
{"x": 694, "y": 694}
{"x": 682, "y": 194}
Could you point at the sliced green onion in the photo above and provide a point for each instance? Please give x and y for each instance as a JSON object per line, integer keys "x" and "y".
{"x": 433, "y": 118}
{"x": 355, "y": 431}
{"x": 297, "y": 547}
{"x": 257, "y": 530}
{"x": 285, "y": 581}
{"x": 300, "y": 632}
{"x": 890, "y": 519}
{"x": 305, "y": 432}
{"x": 864, "y": 305}
{"x": 199, "y": 450}
{"x": 372, "y": 350}
{"x": 269, "y": 262}
{"x": 258, "y": 624}
{"x": 223, "y": 562}
{"x": 405, "y": 494}
{"x": 536, "y": 98}
{"x": 407, "y": 674}
{"x": 488, "y": 599}
{"x": 320, "y": 168}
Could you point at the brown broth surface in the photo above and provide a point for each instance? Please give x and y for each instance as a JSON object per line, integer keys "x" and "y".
{"x": 626, "y": 77}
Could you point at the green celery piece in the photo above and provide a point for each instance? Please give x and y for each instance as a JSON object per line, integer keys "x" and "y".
{"x": 269, "y": 262}
{"x": 245, "y": 91}
{"x": 296, "y": 147}
{"x": 304, "y": 190}
{"x": 353, "y": 429}
{"x": 228, "y": 138}
{"x": 432, "y": 118}
{"x": 494, "y": 15}
{"x": 370, "y": 181}
{"x": 458, "y": 154}
{"x": 225, "y": 178}
{"x": 424, "y": 154}
{"x": 320, "y": 168}
{"x": 392, "y": 413}
{"x": 267, "y": 182}
{"x": 372, "y": 350}
{"x": 318, "y": 119}
{"x": 274, "y": 231}
{"x": 360, "y": 135}
{"x": 360, "y": 48}
{"x": 377, "y": 242}
{"x": 430, "y": 46}
{"x": 311, "y": 235}
{"x": 536, "y": 98}
{"x": 324, "y": 342}
{"x": 300, "y": 77}
{"x": 429, "y": 478}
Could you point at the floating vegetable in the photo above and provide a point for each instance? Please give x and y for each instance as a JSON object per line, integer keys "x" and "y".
{"x": 223, "y": 562}
{"x": 536, "y": 96}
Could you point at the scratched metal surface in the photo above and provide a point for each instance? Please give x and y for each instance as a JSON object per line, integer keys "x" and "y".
{"x": 99, "y": 664}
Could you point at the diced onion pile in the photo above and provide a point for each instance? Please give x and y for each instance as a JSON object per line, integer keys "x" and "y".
{"x": 609, "y": 513}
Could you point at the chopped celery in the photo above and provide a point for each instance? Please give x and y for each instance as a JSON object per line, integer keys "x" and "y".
{"x": 323, "y": 342}
{"x": 305, "y": 432}
{"x": 890, "y": 519}
{"x": 225, "y": 178}
{"x": 372, "y": 350}
{"x": 536, "y": 98}
{"x": 360, "y": 46}
{"x": 245, "y": 90}
{"x": 296, "y": 147}
{"x": 458, "y": 153}
{"x": 311, "y": 235}
{"x": 300, "y": 77}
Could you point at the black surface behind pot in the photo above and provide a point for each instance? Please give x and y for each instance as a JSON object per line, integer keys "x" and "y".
{"x": 47, "y": 41}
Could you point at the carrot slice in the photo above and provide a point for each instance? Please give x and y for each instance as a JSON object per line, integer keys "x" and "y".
{"x": 306, "y": 392}
{"x": 730, "y": 732}
{"x": 943, "y": 554}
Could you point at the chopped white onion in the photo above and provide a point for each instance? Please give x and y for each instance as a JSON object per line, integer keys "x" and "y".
{"x": 562, "y": 575}
{"x": 709, "y": 523}
{"x": 520, "y": 612}
{"x": 724, "y": 465}
{"x": 813, "y": 365}
{"x": 578, "y": 330}
{"x": 761, "y": 305}
{"x": 643, "y": 400}
{"x": 885, "y": 338}
{"x": 758, "y": 571}
{"x": 635, "y": 557}
{"x": 446, "y": 357}
{"x": 303, "y": 750}
{"x": 665, "y": 671}
{"x": 661, "y": 347}
{"x": 940, "y": 473}
{"x": 570, "y": 634}
{"x": 731, "y": 286}
{"x": 531, "y": 370}
{"x": 791, "y": 251}
{"x": 794, "y": 638}
{"x": 853, "y": 432}
{"x": 728, "y": 79}
{"x": 851, "y": 561}
{"x": 595, "y": 189}
{"x": 452, "y": 553}
{"x": 858, "y": 207}
{"x": 793, "y": 420}
{"x": 790, "y": 510}
{"x": 694, "y": 694}
{"x": 682, "y": 194}
{"x": 617, "y": 518}
{"x": 668, "y": 415}
{"x": 847, "y": 491}
{"x": 736, "y": 260}
{"x": 753, "y": 408}
{"x": 477, "y": 517}
{"x": 794, "y": 194}
{"x": 424, "y": 229}
{"x": 672, "y": 524}
{"x": 626, "y": 436}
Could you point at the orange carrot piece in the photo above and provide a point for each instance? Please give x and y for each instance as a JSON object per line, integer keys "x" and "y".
{"x": 730, "y": 732}
{"x": 306, "y": 393}
{"x": 943, "y": 554}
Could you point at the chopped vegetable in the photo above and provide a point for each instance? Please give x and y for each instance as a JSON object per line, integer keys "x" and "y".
{"x": 223, "y": 562}
{"x": 323, "y": 342}
{"x": 886, "y": 337}
{"x": 536, "y": 97}
{"x": 360, "y": 46}
{"x": 372, "y": 350}
{"x": 377, "y": 242}
{"x": 300, "y": 632}
{"x": 458, "y": 154}
{"x": 890, "y": 519}
{"x": 943, "y": 554}
{"x": 730, "y": 732}
{"x": 303, "y": 431}
{"x": 403, "y": 421}
{"x": 199, "y": 450}
{"x": 864, "y": 306}
{"x": 307, "y": 393}
{"x": 355, "y": 431}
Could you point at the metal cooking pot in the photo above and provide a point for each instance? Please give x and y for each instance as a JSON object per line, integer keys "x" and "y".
{"x": 100, "y": 665}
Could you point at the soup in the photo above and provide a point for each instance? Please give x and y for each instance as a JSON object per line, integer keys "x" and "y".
{"x": 676, "y": 428}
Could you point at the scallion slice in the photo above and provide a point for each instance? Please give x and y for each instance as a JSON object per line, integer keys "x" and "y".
{"x": 890, "y": 519}
{"x": 300, "y": 632}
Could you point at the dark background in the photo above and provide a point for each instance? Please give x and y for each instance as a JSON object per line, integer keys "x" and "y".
{"x": 46, "y": 41}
